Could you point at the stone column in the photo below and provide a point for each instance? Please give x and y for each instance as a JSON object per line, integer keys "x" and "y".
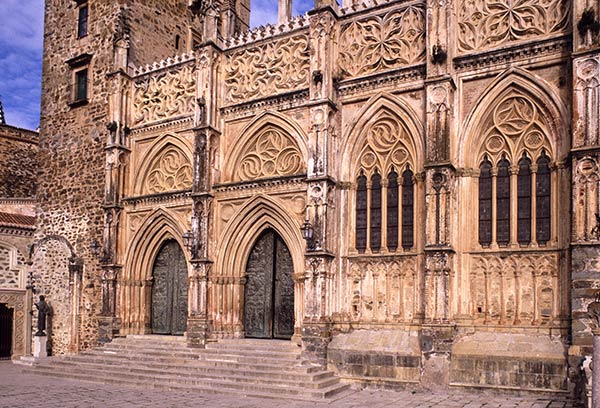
{"x": 205, "y": 147}
{"x": 321, "y": 187}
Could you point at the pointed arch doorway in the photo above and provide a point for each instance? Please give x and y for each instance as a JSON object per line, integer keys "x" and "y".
{"x": 269, "y": 289}
{"x": 169, "y": 290}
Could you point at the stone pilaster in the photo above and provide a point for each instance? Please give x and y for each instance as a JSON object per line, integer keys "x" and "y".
{"x": 321, "y": 197}
{"x": 585, "y": 156}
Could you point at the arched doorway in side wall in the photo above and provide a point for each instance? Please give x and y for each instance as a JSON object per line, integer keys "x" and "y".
{"x": 269, "y": 289}
{"x": 6, "y": 332}
{"x": 169, "y": 290}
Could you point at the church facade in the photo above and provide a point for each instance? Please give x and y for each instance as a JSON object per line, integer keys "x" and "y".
{"x": 408, "y": 189}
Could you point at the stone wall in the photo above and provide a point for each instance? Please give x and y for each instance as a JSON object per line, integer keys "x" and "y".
{"x": 18, "y": 148}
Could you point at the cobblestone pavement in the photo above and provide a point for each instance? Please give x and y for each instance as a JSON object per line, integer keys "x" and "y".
{"x": 25, "y": 390}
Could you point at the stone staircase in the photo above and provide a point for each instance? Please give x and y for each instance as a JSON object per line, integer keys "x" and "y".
{"x": 245, "y": 367}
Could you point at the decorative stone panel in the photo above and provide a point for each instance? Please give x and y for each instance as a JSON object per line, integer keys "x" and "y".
{"x": 15, "y": 299}
{"x": 383, "y": 289}
{"x": 171, "y": 170}
{"x": 520, "y": 289}
{"x": 483, "y": 24}
{"x": 164, "y": 95}
{"x": 267, "y": 69}
{"x": 379, "y": 43}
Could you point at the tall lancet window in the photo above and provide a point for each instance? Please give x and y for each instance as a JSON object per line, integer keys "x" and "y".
{"x": 524, "y": 201}
{"x": 361, "y": 213}
{"x": 408, "y": 209}
{"x": 485, "y": 203}
{"x": 542, "y": 202}
{"x": 503, "y": 203}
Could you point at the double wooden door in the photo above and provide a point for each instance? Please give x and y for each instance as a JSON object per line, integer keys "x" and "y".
{"x": 269, "y": 290}
{"x": 169, "y": 290}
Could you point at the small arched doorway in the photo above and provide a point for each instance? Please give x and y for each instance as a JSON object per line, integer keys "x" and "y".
{"x": 169, "y": 290}
{"x": 269, "y": 290}
{"x": 6, "y": 331}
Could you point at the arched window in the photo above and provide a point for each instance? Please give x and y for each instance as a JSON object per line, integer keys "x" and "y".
{"x": 375, "y": 231}
{"x": 542, "y": 201}
{"x": 408, "y": 221}
{"x": 392, "y": 211}
{"x": 524, "y": 201}
{"x": 485, "y": 203}
{"x": 361, "y": 213}
{"x": 503, "y": 203}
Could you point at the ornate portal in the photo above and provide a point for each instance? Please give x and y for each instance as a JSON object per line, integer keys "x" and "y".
{"x": 269, "y": 300}
{"x": 169, "y": 291}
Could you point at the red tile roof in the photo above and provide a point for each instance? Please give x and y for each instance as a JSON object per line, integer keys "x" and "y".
{"x": 16, "y": 220}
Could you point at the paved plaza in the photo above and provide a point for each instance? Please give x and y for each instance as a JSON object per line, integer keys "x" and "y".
{"x": 24, "y": 390}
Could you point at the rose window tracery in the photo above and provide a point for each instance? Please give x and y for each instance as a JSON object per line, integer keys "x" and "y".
{"x": 171, "y": 171}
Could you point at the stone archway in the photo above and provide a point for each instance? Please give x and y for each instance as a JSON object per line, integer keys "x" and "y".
{"x": 169, "y": 290}
{"x": 269, "y": 289}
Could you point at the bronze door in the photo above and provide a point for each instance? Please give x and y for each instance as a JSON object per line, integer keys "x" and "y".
{"x": 269, "y": 291}
{"x": 169, "y": 290}
{"x": 6, "y": 326}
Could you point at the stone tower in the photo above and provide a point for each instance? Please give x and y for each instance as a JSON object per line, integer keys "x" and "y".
{"x": 89, "y": 47}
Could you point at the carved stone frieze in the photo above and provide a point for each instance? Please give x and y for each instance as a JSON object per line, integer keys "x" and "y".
{"x": 267, "y": 69}
{"x": 483, "y": 24}
{"x": 170, "y": 171}
{"x": 519, "y": 289}
{"x": 164, "y": 95}
{"x": 270, "y": 154}
{"x": 383, "y": 289}
{"x": 383, "y": 42}
{"x": 586, "y": 130}
{"x": 585, "y": 192}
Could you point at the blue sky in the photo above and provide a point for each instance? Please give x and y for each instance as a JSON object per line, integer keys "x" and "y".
{"x": 21, "y": 40}
{"x": 21, "y": 34}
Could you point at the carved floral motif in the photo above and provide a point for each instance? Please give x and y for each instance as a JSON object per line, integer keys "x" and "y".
{"x": 267, "y": 69}
{"x": 163, "y": 96}
{"x": 170, "y": 171}
{"x": 271, "y": 154}
{"x": 383, "y": 42}
{"x": 485, "y": 24}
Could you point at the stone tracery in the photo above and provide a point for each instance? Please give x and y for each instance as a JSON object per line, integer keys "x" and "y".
{"x": 170, "y": 171}
{"x": 272, "y": 153}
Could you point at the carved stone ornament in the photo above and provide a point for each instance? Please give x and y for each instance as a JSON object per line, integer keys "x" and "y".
{"x": 270, "y": 154}
{"x": 485, "y": 24}
{"x": 163, "y": 96}
{"x": 386, "y": 145}
{"x": 383, "y": 42}
{"x": 515, "y": 125}
{"x": 170, "y": 171}
{"x": 267, "y": 69}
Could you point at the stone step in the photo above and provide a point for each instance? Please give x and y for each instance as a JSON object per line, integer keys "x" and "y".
{"x": 166, "y": 360}
{"x": 207, "y": 356}
{"x": 205, "y": 385}
{"x": 243, "y": 367}
{"x": 248, "y": 352}
{"x": 318, "y": 380}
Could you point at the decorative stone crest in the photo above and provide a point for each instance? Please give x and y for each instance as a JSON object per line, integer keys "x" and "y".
{"x": 383, "y": 42}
